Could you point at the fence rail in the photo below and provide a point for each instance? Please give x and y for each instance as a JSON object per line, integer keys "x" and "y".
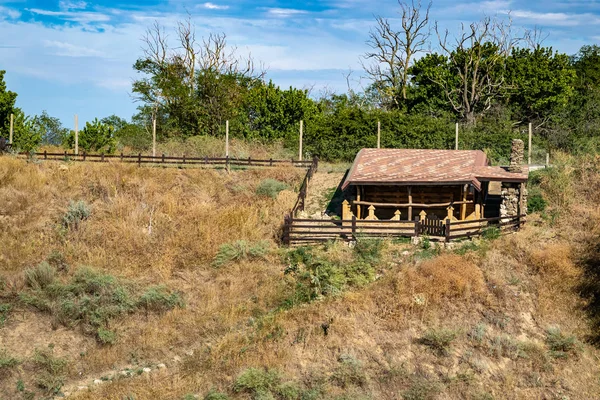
{"x": 166, "y": 160}
{"x": 302, "y": 230}
{"x": 299, "y": 206}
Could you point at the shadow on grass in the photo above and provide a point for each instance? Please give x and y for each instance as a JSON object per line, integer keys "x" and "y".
{"x": 334, "y": 207}
{"x": 590, "y": 289}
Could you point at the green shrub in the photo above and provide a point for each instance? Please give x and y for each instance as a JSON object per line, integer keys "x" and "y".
{"x": 369, "y": 250}
{"x": 6, "y": 360}
{"x": 76, "y": 213}
{"x": 422, "y": 389}
{"x": 349, "y": 372}
{"x": 106, "y": 336}
{"x": 505, "y": 346}
{"x": 158, "y": 298}
{"x": 259, "y": 383}
{"x": 439, "y": 340}
{"x": 314, "y": 276}
{"x": 40, "y": 277}
{"x": 561, "y": 345}
{"x": 270, "y": 188}
{"x": 91, "y": 299}
{"x": 491, "y": 233}
{"x": 536, "y": 202}
{"x": 240, "y": 250}
{"x": 57, "y": 260}
{"x": 53, "y": 370}
{"x": 4, "y": 311}
{"x": 215, "y": 395}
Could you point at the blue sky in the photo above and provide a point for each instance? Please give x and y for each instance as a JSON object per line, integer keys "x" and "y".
{"x": 75, "y": 57}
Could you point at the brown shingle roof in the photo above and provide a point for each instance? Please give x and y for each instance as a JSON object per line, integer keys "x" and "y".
{"x": 420, "y": 166}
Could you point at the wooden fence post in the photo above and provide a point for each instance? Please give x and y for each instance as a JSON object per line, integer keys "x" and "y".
{"x": 84, "y": 155}
{"x": 76, "y": 135}
{"x": 10, "y": 133}
{"x": 163, "y": 158}
{"x": 456, "y": 140}
{"x": 529, "y": 146}
{"x": 45, "y": 155}
{"x": 227, "y": 163}
{"x": 354, "y": 227}
{"x": 300, "y": 144}
{"x": 287, "y": 221}
{"x": 271, "y": 162}
{"x": 121, "y": 156}
{"x": 139, "y": 159}
{"x": 154, "y": 136}
{"x": 184, "y": 158}
{"x": 447, "y": 231}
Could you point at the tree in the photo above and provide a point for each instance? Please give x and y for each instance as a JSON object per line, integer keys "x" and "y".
{"x": 392, "y": 52}
{"x": 540, "y": 81}
{"x": 28, "y": 132}
{"x": 7, "y": 106}
{"x": 53, "y": 131}
{"x": 95, "y": 136}
{"x": 587, "y": 65}
{"x": 477, "y": 61}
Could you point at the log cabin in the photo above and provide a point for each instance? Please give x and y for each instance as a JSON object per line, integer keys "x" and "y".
{"x": 455, "y": 184}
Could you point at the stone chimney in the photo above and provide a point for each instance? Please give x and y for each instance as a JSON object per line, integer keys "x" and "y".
{"x": 517, "y": 152}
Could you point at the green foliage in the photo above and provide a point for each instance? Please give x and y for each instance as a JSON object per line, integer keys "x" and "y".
{"x": 241, "y": 250}
{"x": 422, "y": 389}
{"x": 270, "y": 188}
{"x": 7, "y": 361}
{"x": 369, "y": 250}
{"x": 40, "y": 277}
{"x": 159, "y": 298}
{"x": 257, "y": 382}
{"x": 4, "y": 311}
{"x": 215, "y": 395}
{"x": 7, "y": 106}
{"x": 491, "y": 233}
{"x": 439, "y": 340}
{"x": 561, "y": 345}
{"x": 28, "y": 132}
{"x": 313, "y": 276}
{"x": 96, "y": 136}
{"x": 349, "y": 372}
{"x": 77, "y": 211}
{"x": 52, "y": 372}
{"x": 92, "y": 299}
{"x": 536, "y": 202}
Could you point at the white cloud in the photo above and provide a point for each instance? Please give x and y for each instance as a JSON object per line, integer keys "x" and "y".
{"x": 8, "y": 13}
{"x": 213, "y": 6}
{"x": 76, "y": 16}
{"x": 554, "y": 19}
{"x": 70, "y": 50}
{"x": 285, "y": 12}
{"x": 72, "y": 5}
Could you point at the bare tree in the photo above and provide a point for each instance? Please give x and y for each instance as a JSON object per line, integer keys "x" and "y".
{"x": 477, "y": 57}
{"x": 392, "y": 50}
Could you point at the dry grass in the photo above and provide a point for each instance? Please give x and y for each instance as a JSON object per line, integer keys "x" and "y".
{"x": 519, "y": 287}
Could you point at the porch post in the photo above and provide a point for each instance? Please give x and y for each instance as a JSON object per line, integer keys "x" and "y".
{"x": 409, "y": 202}
{"x": 358, "y": 190}
{"x": 463, "y": 206}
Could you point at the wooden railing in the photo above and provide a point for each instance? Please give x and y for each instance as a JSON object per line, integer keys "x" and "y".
{"x": 168, "y": 160}
{"x": 299, "y": 206}
{"x": 299, "y": 230}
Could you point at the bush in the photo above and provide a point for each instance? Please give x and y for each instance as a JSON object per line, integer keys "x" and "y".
{"x": 349, "y": 372}
{"x": 422, "y": 389}
{"x": 53, "y": 370}
{"x": 91, "y": 299}
{"x": 4, "y": 311}
{"x": 76, "y": 212}
{"x": 560, "y": 345}
{"x": 439, "y": 340}
{"x": 369, "y": 250}
{"x": 240, "y": 250}
{"x": 158, "y": 298}
{"x": 215, "y": 395}
{"x": 536, "y": 202}
{"x": 491, "y": 233}
{"x": 257, "y": 382}
{"x": 270, "y": 188}
{"x": 314, "y": 276}
{"x": 6, "y": 360}
{"x": 40, "y": 277}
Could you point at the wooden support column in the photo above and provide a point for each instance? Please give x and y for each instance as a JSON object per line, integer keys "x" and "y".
{"x": 521, "y": 189}
{"x": 410, "y": 216}
{"x": 358, "y": 199}
{"x": 463, "y": 206}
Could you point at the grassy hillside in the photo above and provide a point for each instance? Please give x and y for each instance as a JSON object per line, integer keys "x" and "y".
{"x": 110, "y": 269}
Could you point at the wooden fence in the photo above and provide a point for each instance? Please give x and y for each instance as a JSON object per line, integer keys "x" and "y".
{"x": 168, "y": 160}
{"x": 299, "y": 206}
{"x": 299, "y": 230}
